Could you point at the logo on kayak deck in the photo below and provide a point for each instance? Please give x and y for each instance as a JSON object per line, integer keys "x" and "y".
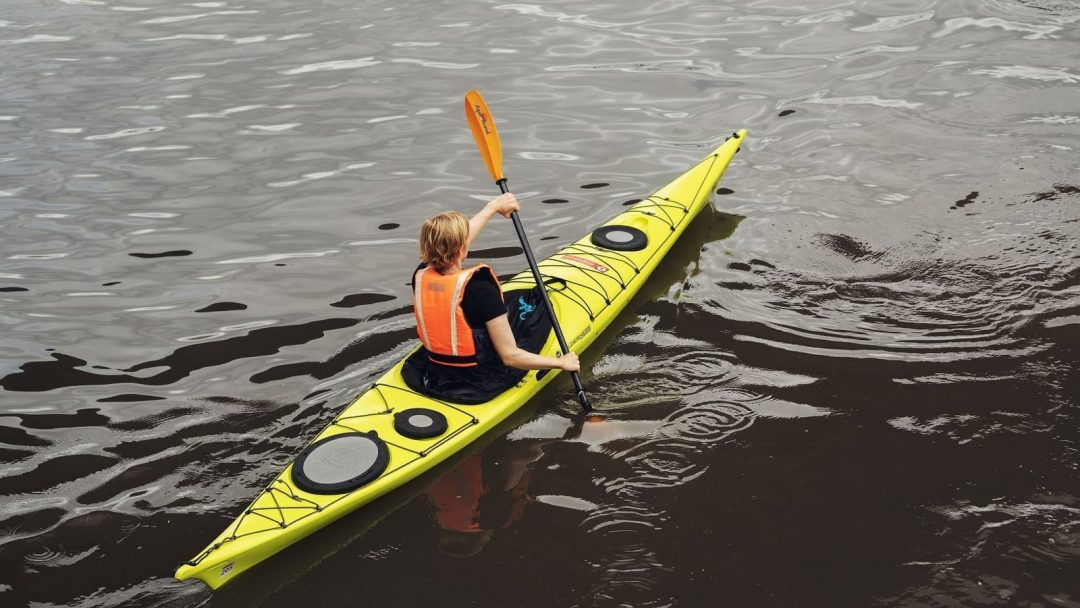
{"x": 583, "y": 333}
{"x": 586, "y": 262}
{"x": 525, "y": 308}
{"x": 227, "y": 568}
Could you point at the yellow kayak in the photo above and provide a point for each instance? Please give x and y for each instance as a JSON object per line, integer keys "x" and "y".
{"x": 393, "y": 432}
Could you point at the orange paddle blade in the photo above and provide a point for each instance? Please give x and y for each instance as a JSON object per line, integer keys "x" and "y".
{"x": 483, "y": 130}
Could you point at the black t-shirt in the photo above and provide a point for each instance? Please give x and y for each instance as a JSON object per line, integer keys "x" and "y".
{"x": 482, "y": 301}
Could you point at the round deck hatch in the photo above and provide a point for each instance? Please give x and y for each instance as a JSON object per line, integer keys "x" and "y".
{"x": 620, "y": 238}
{"x": 419, "y": 423}
{"x": 340, "y": 464}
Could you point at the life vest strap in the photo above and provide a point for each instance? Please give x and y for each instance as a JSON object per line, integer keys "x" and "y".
{"x": 455, "y": 361}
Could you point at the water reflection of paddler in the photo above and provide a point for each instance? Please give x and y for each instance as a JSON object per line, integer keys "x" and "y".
{"x": 470, "y": 511}
{"x": 460, "y": 313}
{"x": 478, "y": 497}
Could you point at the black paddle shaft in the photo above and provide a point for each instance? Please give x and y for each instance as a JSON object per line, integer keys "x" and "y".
{"x": 585, "y": 405}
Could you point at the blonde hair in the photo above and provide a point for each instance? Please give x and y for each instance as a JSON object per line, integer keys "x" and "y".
{"x": 441, "y": 239}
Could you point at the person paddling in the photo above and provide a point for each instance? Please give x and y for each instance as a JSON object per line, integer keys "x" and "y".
{"x": 461, "y": 316}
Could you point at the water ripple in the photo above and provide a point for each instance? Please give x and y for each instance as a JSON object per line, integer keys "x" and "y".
{"x": 913, "y": 301}
{"x": 1030, "y": 73}
{"x": 707, "y": 422}
{"x": 329, "y": 66}
{"x": 1035, "y": 32}
{"x": 894, "y": 22}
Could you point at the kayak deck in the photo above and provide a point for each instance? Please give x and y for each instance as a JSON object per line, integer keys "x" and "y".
{"x": 588, "y": 285}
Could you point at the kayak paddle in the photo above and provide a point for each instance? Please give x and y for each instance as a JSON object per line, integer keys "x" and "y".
{"x": 487, "y": 141}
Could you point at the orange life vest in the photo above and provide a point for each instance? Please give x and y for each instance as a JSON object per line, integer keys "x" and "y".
{"x": 440, "y": 320}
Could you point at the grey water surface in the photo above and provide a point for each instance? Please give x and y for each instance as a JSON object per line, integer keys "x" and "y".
{"x": 853, "y": 383}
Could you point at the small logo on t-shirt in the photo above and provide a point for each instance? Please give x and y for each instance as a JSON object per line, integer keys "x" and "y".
{"x": 525, "y": 308}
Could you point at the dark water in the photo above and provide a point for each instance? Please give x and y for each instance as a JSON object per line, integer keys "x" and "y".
{"x": 853, "y": 384}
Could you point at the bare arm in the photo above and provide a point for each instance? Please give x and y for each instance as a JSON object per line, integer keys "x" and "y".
{"x": 504, "y": 205}
{"x": 512, "y": 356}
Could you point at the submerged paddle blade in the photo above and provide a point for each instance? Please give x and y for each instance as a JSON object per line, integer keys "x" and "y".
{"x": 483, "y": 130}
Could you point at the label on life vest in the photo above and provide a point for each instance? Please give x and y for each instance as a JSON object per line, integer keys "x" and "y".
{"x": 587, "y": 262}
